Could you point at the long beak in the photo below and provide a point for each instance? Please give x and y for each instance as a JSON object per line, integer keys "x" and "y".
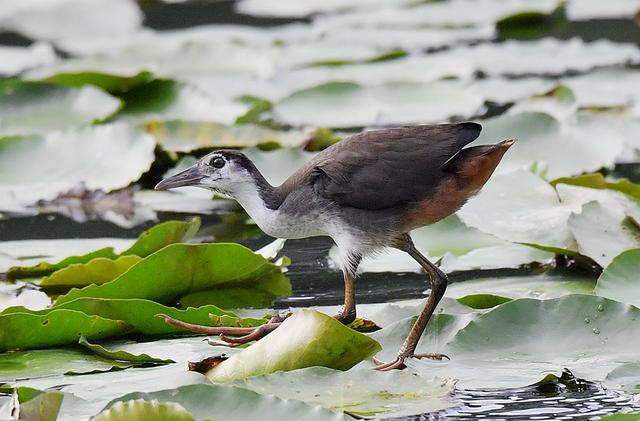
{"x": 189, "y": 177}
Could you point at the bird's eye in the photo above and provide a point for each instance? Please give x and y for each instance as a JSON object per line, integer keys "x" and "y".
{"x": 217, "y": 162}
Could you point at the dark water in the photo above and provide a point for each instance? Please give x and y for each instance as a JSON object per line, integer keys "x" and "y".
{"x": 315, "y": 283}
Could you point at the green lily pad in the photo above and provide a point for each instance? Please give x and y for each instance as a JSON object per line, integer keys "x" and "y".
{"x": 96, "y": 271}
{"x": 233, "y": 403}
{"x": 483, "y": 301}
{"x": 44, "y": 406}
{"x": 520, "y": 341}
{"x": 597, "y": 181}
{"x": 122, "y": 355}
{"x": 520, "y": 207}
{"x": 180, "y": 269}
{"x": 62, "y": 162}
{"x": 107, "y": 82}
{"x": 619, "y": 280}
{"x": 142, "y": 410}
{"x": 564, "y": 149}
{"x": 346, "y": 104}
{"x": 147, "y": 243}
{"x": 603, "y": 231}
{"x": 187, "y": 136}
{"x": 362, "y": 393}
{"x": 531, "y": 24}
{"x": 56, "y": 327}
{"x": 35, "y": 107}
{"x": 307, "y": 338}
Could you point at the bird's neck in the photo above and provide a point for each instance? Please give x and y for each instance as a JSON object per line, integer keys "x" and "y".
{"x": 258, "y": 195}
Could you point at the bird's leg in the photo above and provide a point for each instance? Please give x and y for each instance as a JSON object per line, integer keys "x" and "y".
{"x": 236, "y": 336}
{"x": 347, "y": 313}
{"x": 438, "y": 281}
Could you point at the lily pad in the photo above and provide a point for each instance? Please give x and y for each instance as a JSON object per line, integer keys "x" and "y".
{"x": 186, "y": 136}
{"x": 180, "y": 269}
{"x": 346, "y": 104}
{"x": 122, "y": 355}
{"x": 44, "y": 406}
{"x": 56, "y": 327}
{"x": 598, "y": 181}
{"x": 361, "y": 393}
{"x": 307, "y": 338}
{"x": 121, "y": 155}
{"x": 603, "y": 232}
{"x": 520, "y": 341}
{"x": 147, "y": 243}
{"x": 563, "y": 149}
{"x": 235, "y": 404}
{"x": 36, "y": 107}
{"x": 96, "y": 271}
{"x": 14, "y": 60}
{"x": 620, "y": 281}
{"x": 114, "y": 84}
{"x": 142, "y": 410}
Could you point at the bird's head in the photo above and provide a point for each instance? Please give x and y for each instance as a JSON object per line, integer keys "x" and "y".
{"x": 225, "y": 172}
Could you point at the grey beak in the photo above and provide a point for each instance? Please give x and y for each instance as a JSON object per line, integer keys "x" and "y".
{"x": 189, "y": 177}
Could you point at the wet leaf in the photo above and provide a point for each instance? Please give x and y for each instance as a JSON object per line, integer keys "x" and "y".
{"x": 597, "y": 181}
{"x": 14, "y": 60}
{"x": 122, "y": 355}
{"x": 36, "y": 107}
{"x": 359, "y": 392}
{"x": 111, "y": 83}
{"x": 56, "y": 327}
{"x": 187, "y": 136}
{"x": 307, "y": 338}
{"x": 346, "y": 104}
{"x": 44, "y": 406}
{"x": 232, "y": 403}
{"x": 120, "y": 154}
{"x": 619, "y": 280}
{"x": 147, "y": 243}
{"x": 518, "y": 342}
{"x": 96, "y": 271}
{"x": 143, "y": 410}
{"x": 603, "y": 232}
{"x": 483, "y": 301}
{"x": 531, "y": 24}
{"x": 180, "y": 269}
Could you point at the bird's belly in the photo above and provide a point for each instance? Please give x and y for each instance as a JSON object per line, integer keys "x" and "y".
{"x": 292, "y": 226}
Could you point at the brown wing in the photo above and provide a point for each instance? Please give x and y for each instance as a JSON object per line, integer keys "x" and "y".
{"x": 383, "y": 168}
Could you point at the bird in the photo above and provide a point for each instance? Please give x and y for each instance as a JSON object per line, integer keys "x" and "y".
{"x": 367, "y": 192}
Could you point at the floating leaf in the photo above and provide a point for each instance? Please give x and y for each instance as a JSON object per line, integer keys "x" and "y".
{"x": 96, "y": 271}
{"x": 42, "y": 167}
{"x": 147, "y": 243}
{"x": 562, "y": 148}
{"x": 361, "y": 393}
{"x": 531, "y": 24}
{"x": 44, "y": 406}
{"x": 180, "y": 269}
{"x": 14, "y": 60}
{"x": 518, "y": 342}
{"x": 597, "y": 181}
{"x": 56, "y": 327}
{"x": 345, "y": 104}
{"x": 142, "y": 314}
{"x": 36, "y": 107}
{"x": 307, "y": 338}
{"x": 232, "y": 403}
{"x": 122, "y": 355}
{"x": 142, "y": 410}
{"x": 619, "y": 280}
{"x": 107, "y": 82}
{"x": 187, "y": 136}
{"x": 603, "y": 232}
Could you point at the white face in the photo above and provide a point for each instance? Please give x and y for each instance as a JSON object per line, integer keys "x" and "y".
{"x": 221, "y": 174}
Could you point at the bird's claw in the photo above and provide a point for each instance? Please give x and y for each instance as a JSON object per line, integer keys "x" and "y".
{"x": 398, "y": 363}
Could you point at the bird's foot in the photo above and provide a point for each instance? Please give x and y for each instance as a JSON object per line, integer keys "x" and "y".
{"x": 398, "y": 363}
{"x": 230, "y": 336}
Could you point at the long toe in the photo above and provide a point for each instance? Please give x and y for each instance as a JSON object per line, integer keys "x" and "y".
{"x": 257, "y": 334}
{"x": 397, "y": 364}
{"x": 438, "y": 357}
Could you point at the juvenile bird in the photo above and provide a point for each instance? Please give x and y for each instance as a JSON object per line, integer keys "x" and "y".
{"x": 366, "y": 192}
